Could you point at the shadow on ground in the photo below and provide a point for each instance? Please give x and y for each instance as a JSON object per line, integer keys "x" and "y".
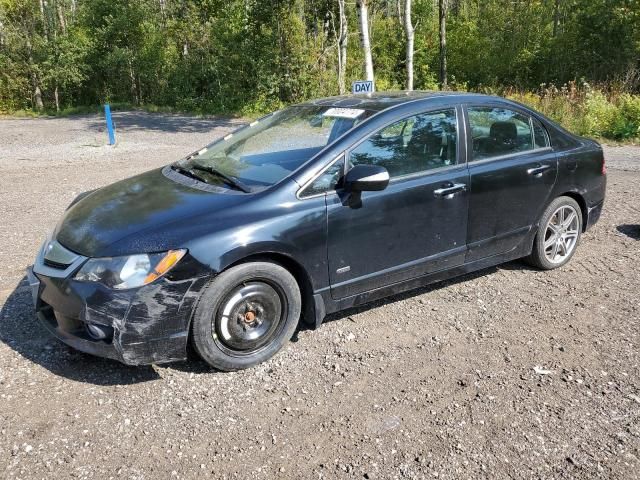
{"x": 169, "y": 123}
{"x": 21, "y": 331}
{"x": 514, "y": 265}
{"x": 631, "y": 231}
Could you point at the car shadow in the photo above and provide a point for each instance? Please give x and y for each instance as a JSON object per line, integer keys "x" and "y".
{"x": 513, "y": 265}
{"x": 21, "y": 331}
{"x": 631, "y": 231}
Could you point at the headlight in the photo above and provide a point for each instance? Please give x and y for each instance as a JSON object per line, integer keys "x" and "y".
{"x": 130, "y": 271}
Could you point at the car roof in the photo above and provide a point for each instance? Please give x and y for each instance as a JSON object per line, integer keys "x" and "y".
{"x": 379, "y": 101}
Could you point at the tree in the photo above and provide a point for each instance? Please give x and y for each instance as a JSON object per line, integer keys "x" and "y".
{"x": 442, "y": 10}
{"x": 409, "y": 33}
{"x": 343, "y": 38}
{"x": 252, "y": 56}
{"x": 363, "y": 24}
{"x": 64, "y": 68}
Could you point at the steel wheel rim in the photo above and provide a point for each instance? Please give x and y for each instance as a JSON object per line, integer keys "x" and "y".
{"x": 561, "y": 234}
{"x": 249, "y": 318}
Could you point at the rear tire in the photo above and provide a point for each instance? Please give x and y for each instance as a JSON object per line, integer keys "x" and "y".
{"x": 246, "y": 315}
{"x": 558, "y": 234}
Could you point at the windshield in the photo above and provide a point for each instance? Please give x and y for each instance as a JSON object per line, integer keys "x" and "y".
{"x": 271, "y": 148}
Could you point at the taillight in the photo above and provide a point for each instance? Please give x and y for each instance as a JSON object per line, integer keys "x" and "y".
{"x": 604, "y": 165}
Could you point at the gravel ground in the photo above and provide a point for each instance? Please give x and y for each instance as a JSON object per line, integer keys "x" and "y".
{"x": 436, "y": 383}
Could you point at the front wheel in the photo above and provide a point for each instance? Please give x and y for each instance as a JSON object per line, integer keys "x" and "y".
{"x": 558, "y": 234}
{"x": 246, "y": 315}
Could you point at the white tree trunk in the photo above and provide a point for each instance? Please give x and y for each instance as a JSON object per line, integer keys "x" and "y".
{"x": 409, "y": 31}
{"x": 61, "y": 19}
{"x": 134, "y": 88}
{"x": 56, "y": 96}
{"x": 45, "y": 23}
{"x": 342, "y": 47}
{"x": 556, "y": 17}
{"x": 363, "y": 17}
{"x": 443, "y": 43}
{"x": 37, "y": 94}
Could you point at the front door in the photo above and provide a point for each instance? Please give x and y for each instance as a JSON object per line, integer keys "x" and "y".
{"x": 418, "y": 224}
{"x": 512, "y": 171}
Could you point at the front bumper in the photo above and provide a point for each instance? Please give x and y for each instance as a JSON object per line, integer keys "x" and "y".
{"x": 146, "y": 325}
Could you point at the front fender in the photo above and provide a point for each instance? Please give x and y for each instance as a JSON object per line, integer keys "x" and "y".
{"x": 300, "y": 234}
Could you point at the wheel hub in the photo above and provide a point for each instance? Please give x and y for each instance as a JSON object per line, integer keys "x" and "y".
{"x": 249, "y": 317}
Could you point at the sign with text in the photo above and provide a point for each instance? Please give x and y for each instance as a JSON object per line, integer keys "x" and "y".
{"x": 362, "y": 86}
{"x": 343, "y": 112}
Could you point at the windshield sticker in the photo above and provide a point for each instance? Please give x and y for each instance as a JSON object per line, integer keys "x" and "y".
{"x": 343, "y": 112}
{"x": 227, "y": 137}
{"x": 202, "y": 151}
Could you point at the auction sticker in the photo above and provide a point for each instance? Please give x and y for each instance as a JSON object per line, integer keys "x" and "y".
{"x": 343, "y": 112}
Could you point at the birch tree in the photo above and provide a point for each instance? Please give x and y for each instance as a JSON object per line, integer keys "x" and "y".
{"x": 342, "y": 46}
{"x": 363, "y": 24}
{"x": 556, "y": 17}
{"x": 442, "y": 8}
{"x": 409, "y": 33}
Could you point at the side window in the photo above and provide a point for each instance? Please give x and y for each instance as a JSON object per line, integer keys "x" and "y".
{"x": 412, "y": 145}
{"x": 499, "y": 131}
{"x": 540, "y": 136}
{"x": 328, "y": 180}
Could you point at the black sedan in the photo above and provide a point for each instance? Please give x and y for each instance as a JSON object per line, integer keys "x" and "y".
{"x": 307, "y": 211}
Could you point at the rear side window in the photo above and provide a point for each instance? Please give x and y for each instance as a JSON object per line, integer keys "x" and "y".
{"x": 500, "y": 131}
{"x": 412, "y": 145}
{"x": 540, "y": 135}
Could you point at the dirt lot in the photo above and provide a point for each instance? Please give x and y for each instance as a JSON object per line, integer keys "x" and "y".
{"x": 436, "y": 383}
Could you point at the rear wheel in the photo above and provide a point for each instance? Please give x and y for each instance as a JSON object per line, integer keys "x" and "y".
{"x": 246, "y": 315}
{"x": 558, "y": 234}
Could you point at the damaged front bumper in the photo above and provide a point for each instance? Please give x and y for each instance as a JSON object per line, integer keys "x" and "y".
{"x": 139, "y": 326}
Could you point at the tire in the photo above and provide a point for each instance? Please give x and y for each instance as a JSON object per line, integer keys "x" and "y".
{"x": 559, "y": 231}
{"x": 246, "y": 315}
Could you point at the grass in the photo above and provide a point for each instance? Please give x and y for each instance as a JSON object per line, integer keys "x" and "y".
{"x": 587, "y": 111}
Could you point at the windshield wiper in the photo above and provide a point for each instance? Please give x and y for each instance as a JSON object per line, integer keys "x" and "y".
{"x": 186, "y": 172}
{"x": 229, "y": 180}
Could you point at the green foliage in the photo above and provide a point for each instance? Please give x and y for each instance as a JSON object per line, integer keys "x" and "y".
{"x": 628, "y": 123}
{"x": 587, "y": 111}
{"x": 252, "y": 56}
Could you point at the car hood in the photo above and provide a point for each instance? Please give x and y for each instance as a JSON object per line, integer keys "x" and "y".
{"x": 127, "y": 212}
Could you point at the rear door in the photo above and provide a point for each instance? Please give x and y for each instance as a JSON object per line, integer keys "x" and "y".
{"x": 418, "y": 224}
{"x": 512, "y": 171}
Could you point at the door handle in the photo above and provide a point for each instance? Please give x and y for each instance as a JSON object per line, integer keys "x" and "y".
{"x": 539, "y": 170}
{"x": 450, "y": 190}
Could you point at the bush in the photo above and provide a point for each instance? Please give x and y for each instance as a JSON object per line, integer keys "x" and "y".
{"x": 587, "y": 111}
{"x": 629, "y": 124}
{"x": 599, "y": 116}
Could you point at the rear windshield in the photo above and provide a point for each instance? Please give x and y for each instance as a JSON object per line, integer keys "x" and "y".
{"x": 271, "y": 148}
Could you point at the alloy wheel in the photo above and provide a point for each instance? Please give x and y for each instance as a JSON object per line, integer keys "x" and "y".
{"x": 561, "y": 234}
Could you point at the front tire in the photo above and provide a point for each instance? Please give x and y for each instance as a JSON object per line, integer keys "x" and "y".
{"x": 246, "y": 315}
{"x": 558, "y": 234}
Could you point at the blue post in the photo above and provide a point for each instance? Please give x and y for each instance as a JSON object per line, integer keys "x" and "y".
{"x": 112, "y": 133}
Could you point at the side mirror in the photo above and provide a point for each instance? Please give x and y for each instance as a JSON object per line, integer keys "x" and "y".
{"x": 366, "y": 178}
